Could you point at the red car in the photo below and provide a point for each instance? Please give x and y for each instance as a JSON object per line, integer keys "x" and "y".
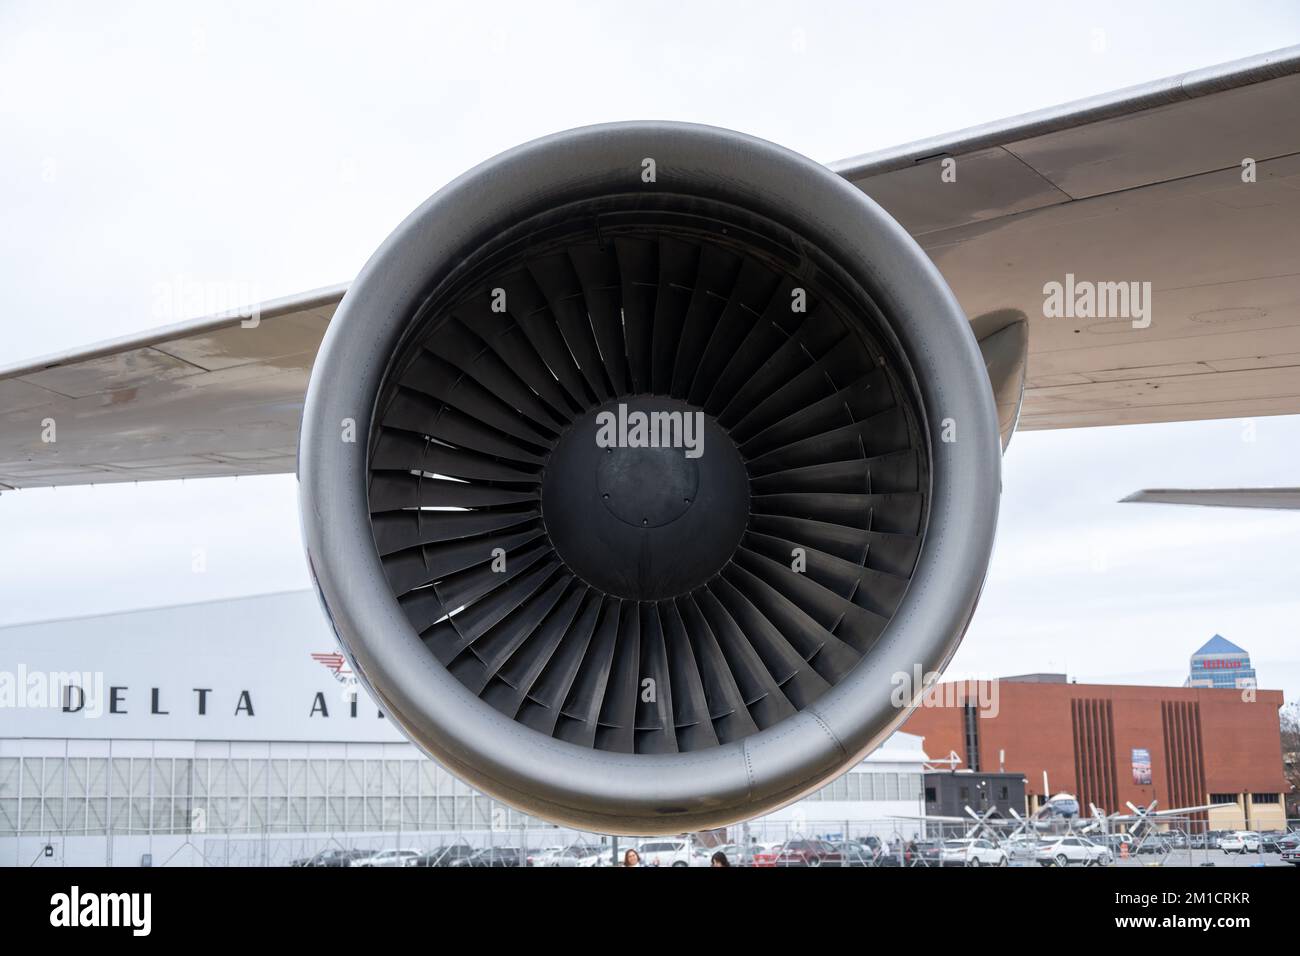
{"x": 766, "y": 856}
{"x": 804, "y": 853}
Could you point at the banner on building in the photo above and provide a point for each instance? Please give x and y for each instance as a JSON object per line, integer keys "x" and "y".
{"x": 1142, "y": 766}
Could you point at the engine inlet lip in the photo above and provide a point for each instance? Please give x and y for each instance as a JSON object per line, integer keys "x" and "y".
{"x": 601, "y": 790}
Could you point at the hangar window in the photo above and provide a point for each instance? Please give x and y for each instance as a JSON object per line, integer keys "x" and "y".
{"x": 1263, "y": 798}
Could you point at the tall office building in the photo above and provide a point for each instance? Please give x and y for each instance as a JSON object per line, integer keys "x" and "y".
{"x": 1221, "y": 663}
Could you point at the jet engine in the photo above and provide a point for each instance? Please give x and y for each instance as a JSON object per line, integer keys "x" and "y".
{"x": 647, "y": 472}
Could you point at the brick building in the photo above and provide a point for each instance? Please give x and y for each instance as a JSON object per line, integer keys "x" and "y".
{"x": 1113, "y": 744}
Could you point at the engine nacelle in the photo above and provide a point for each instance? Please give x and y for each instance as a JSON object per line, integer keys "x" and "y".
{"x": 642, "y": 467}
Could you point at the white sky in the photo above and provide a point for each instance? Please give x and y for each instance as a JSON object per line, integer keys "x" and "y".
{"x": 271, "y": 150}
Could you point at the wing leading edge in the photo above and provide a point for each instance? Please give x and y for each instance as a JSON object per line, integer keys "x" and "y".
{"x": 210, "y": 397}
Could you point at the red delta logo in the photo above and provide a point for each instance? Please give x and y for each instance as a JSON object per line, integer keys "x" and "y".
{"x": 336, "y": 664}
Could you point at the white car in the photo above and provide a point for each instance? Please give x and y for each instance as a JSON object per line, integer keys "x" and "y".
{"x": 544, "y": 856}
{"x": 664, "y": 853}
{"x": 577, "y": 856}
{"x": 1240, "y": 841}
{"x": 1066, "y": 851}
{"x": 387, "y": 858}
{"x": 971, "y": 853}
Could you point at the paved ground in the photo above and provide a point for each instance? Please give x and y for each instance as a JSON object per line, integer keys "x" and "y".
{"x": 1201, "y": 857}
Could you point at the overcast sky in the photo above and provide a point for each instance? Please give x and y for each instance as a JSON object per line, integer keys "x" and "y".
{"x": 271, "y": 150}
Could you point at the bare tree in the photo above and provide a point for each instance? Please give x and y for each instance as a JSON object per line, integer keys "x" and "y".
{"x": 1290, "y": 720}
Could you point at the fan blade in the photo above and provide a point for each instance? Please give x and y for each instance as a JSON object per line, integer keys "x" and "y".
{"x": 461, "y": 349}
{"x": 403, "y": 451}
{"x": 762, "y": 695}
{"x": 749, "y": 299}
{"x": 655, "y": 732}
{"x": 617, "y": 728}
{"x": 879, "y": 435}
{"x": 854, "y": 625}
{"x": 472, "y": 622}
{"x": 558, "y": 282}
{"x": 690, "y": 705}
{"x": 898, "y": 513}
{"x": 866, "y": 397}
{"x": 516, "y": 677}
{"x": 639, "y": 268}
{"x": 804, "y": 348}
{"x": 410, "y": 569}
{"x": 527, "y": 305}
{"x": 679, "y": 263}
{"x": 478, "y": 667}
{"x": 731, "y": 718}
{"x": 426, "y": 606}
{"x": 580, "y": 715}
{"x": 512, "y": 344}
{"x": 396, "y": 490}
{"x": 419, "y": 413}
{"x": 597, "y": 270}
{"x": 499, "y": 406}
{"x": 896, "y": 471}
{"x": 895, "y": 553}
{"x": 541, "y": 709}
{"x": 714, "y": 281}
{"x": 830, "y": 656}
{"x": 877, "y": 591}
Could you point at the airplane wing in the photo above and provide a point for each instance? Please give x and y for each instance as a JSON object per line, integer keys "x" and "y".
{"x": 1191, "y": 184}
{"x": 1280, "y": 499}
{"x": 1144, "y": 185}
{"x": 215, "y": 396}
{"x": 931, "y": 819}
{"x": 1153, "y": 814}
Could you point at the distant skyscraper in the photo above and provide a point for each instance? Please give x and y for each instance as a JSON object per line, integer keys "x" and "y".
{"x": 1220, "y": 663}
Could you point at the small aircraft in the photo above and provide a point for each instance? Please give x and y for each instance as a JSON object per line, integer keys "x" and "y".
{"x": 1059, "y": 814}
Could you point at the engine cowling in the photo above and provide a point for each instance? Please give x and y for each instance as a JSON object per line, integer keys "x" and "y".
{"x": 642, "y": 470}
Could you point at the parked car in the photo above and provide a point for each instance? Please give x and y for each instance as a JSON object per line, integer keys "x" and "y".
{"x": 804, "y": 853}
{"x": 1277, "y": 842}
{"x": 849, "y": 854}
{"x": 1071, "y": 850}
{"x": 1291, "y": 855}
{"x": 333, "y": 857}
{"x": 542, "y": 856}
{"x": 971, "y": 852}
{"x": 442, "y": 856}
{"x": 874, "y": 845}
{"x": 1156, "y": 843}
{"x": 765, "y": 854}
{"x": 1024, "y": 845}
{"x": 1240, "y": 841}
{"x": 493, "y": 856}
{"x": 665, "y": 853}
{"x": 1117, "y": 843}
{"x": 913, "y": 853}
{"x": 576, "y": 856}
{"x": 386, "y": 858}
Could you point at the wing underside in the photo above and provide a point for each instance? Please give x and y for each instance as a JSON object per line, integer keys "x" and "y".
{"x": 212, "y": 397}
{"x": 1190, "y": 185}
